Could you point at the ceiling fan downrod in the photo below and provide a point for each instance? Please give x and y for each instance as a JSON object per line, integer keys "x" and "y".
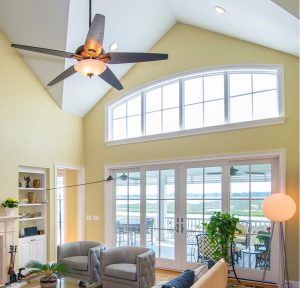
{"x": 90, "y": 13}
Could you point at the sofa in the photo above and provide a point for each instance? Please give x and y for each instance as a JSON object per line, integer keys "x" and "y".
{"x": 216, "y": 277}
{"x": 83, "y": 259}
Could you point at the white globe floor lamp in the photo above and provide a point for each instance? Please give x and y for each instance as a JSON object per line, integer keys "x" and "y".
{"x": 279, "y": 208}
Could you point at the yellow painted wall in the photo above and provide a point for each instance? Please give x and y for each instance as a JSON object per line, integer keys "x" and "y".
{"x": 72, "y": 206}
{"x": 33, "y": 129}
{"x": 191, "y": 48}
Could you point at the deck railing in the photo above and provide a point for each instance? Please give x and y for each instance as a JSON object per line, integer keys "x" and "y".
{"x": 193, "y": 225}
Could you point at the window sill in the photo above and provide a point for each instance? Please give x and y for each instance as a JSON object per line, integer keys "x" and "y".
{"x": 198, "y": 131}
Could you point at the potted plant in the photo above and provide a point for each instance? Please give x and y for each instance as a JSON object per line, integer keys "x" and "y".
{"x": 49, "y": 272}
{"x": 221, "y": 231}
{"x": 9, "y": 205}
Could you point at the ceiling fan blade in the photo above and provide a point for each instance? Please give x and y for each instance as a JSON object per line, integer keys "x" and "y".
{"x": 109, "y": 77}
{"x": 127, "y": 57}
{"x": 44, "y": 51}
{"x": 70, "y": 71}
{"x": 94, "y": 39}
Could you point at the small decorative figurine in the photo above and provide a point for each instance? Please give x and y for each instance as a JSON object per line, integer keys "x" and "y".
{"x": 27, "y": 179}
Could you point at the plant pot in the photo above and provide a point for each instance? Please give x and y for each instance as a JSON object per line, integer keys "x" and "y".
{"x": 10, "y": 212}
{"x": 48, "y": 282}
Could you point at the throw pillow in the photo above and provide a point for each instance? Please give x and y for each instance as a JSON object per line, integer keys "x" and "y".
{"x": 200, "y": 271}
{"x": 184, "y": 280}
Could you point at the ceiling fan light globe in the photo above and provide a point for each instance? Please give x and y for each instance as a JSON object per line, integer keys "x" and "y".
{"x": 90, "y": 67}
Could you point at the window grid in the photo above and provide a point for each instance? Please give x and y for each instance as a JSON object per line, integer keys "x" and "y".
{"x": 182, "y": 103}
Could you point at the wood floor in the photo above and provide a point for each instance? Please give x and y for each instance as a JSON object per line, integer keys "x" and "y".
{"x": 165, "y": 275}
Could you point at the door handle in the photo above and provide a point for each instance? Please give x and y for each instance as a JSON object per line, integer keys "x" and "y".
{"x": 182, "y": 228}
{"x": 177, "y": 228}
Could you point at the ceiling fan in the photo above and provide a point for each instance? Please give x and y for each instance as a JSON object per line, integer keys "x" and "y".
{"x": 237, "y": 172}
{"x": 91, "y": 57}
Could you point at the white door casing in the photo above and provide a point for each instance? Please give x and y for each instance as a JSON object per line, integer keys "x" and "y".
{"x": 180, "y": 165}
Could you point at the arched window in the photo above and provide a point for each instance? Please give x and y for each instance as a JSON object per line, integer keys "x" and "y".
{"x": 198, "y": 102}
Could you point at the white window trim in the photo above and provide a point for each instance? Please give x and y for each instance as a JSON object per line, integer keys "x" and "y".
{"x": 202, "y": 130}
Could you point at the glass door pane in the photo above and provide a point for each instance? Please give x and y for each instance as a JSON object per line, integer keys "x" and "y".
{"x": 160, "y": 213}
{"x": 203, "y": 198}
{"x": 249, "y": 185}
{"x": 128, "y": 212}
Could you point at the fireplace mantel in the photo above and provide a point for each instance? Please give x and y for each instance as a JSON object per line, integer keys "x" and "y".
{"x": 6, "y": 239}
{"x": 8, "y": 218}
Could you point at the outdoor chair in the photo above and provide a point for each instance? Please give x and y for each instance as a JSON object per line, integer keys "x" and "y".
{"x": 205, "y": 251}
{"x": 262, "y": 260}
{"x": 241, "y": 241}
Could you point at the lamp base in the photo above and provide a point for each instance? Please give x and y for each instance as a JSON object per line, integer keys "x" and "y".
{"x": 285, "y": 277}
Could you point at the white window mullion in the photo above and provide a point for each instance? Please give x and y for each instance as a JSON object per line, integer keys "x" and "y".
{"x": 161, "y": 111}
{"x": 181, "y": 105}
{"x": 252, "y": 96}
{"x": 143, "y": 113}
{"x": 226, "y": 98}
{"x": 203, "y": 103}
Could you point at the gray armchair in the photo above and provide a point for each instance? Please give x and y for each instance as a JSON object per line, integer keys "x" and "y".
{"x": 83, "y": 259}
{"x": 127, "y": 267}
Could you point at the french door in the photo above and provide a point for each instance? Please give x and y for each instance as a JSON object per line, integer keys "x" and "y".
{"x": 164, "y": 207}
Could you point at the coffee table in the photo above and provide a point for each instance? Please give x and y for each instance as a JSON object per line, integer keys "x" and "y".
{"x": 62, "y": 282}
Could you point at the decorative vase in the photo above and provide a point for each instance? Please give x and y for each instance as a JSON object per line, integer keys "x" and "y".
{"x": 9, "y": 211}
{"x": 36, "y": 183}
{"x": 31, "y": 197}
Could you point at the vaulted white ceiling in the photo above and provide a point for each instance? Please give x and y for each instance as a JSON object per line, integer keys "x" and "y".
{"x": 136, "y": 25}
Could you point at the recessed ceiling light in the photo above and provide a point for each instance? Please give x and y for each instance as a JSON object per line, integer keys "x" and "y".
{"x": 113, "y": 47}
{"x": 220, "y": 10}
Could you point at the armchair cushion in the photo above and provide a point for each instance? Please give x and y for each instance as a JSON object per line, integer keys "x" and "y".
{"x": 76, "y": 262}
{"x": 121, "y": 270}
